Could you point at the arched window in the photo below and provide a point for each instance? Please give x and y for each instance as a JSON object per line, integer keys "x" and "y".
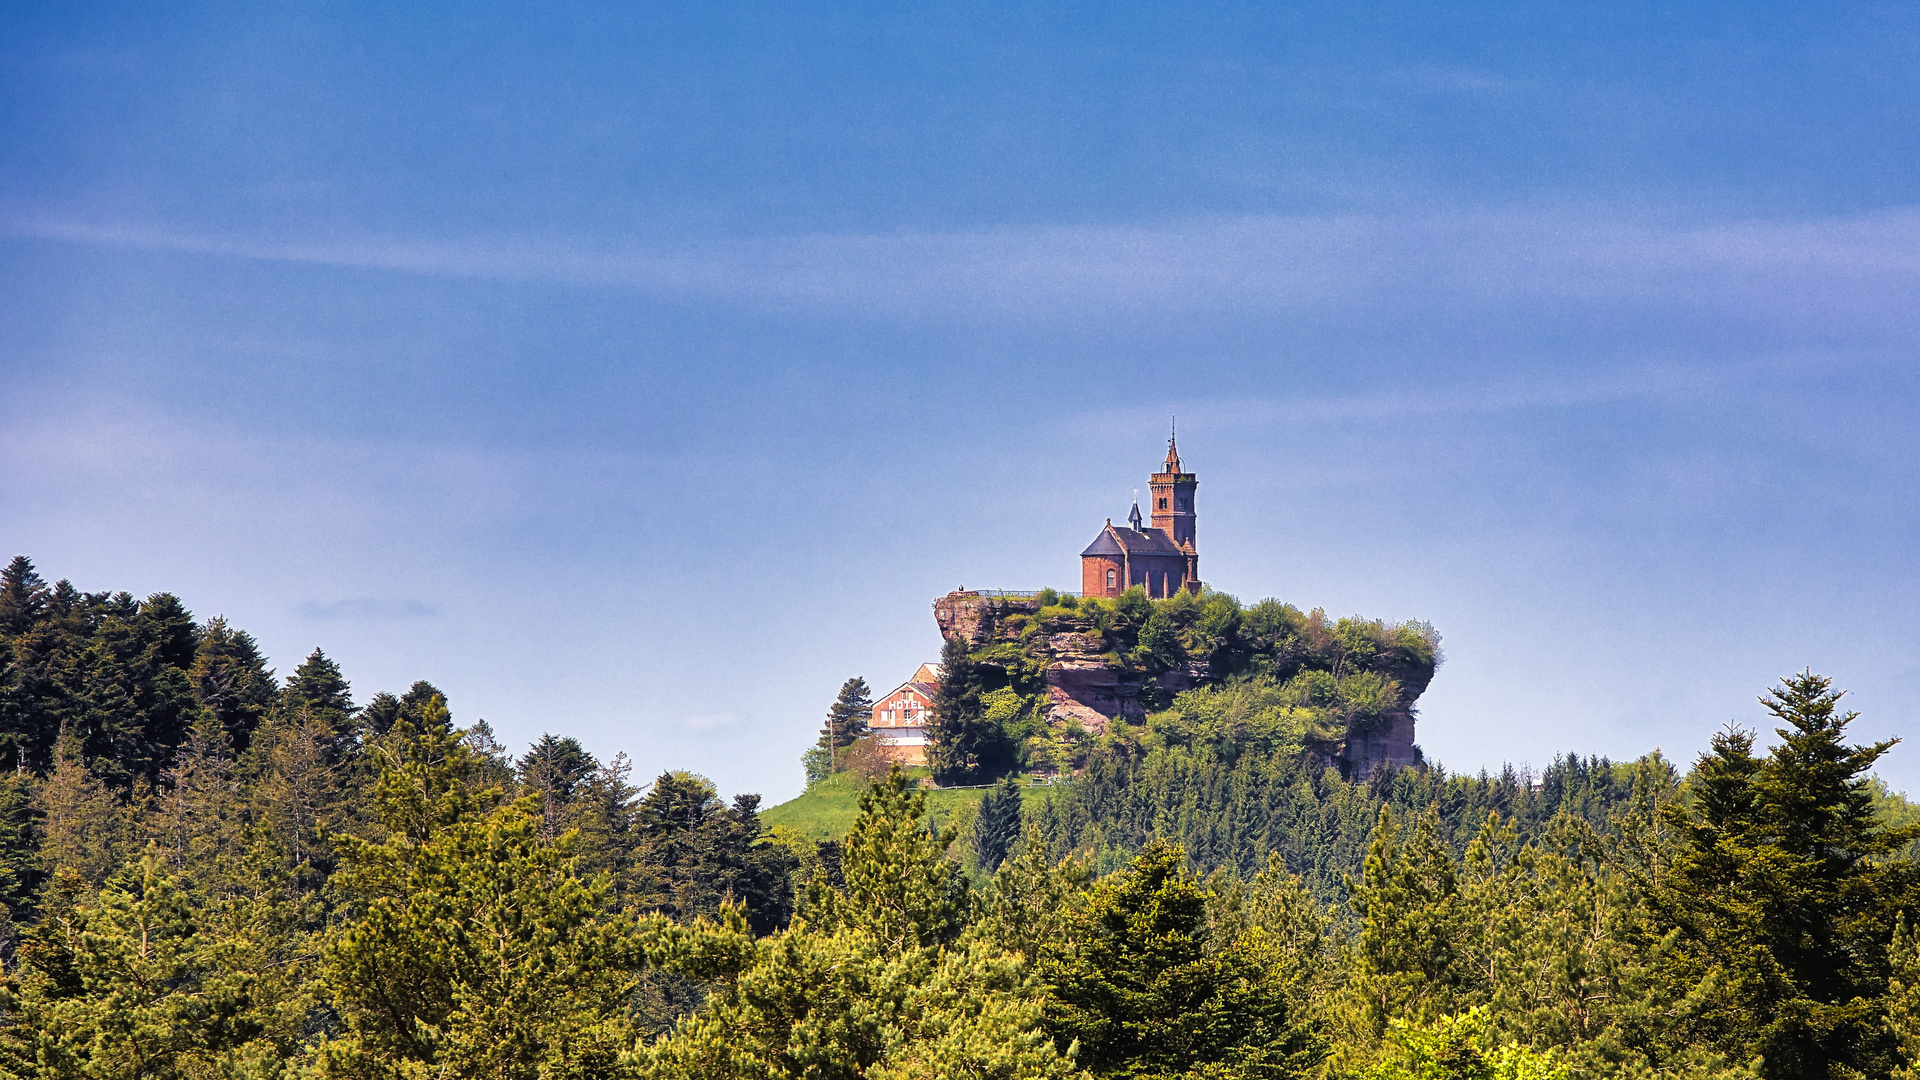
{"x": 1111, "y": 578}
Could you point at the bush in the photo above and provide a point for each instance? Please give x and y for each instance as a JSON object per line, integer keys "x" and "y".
{"x": 866, "y": 758}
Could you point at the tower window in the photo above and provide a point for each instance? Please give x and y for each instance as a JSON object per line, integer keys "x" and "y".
{"x": 1163, "y": 504}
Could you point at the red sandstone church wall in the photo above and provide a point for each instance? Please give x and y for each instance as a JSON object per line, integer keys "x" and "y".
{"x": 1159, "y": 574}
{"x": 1093, "y": 576}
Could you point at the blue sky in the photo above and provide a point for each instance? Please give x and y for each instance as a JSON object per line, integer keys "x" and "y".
{"x": 641, "y": 372}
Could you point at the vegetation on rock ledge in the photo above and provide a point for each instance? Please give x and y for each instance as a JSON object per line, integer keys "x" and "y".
{"x": 1290, "y": 674}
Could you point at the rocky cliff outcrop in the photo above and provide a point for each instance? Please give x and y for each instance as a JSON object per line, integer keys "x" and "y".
{"x": 1103, "y": 661}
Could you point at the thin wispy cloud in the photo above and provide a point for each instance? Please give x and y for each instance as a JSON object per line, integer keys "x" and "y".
{"x": 366, "y": 609}
{"x": 708, "y": 722}
{"x": 1626, "y": 382}
{"x": 1859, "y": 272}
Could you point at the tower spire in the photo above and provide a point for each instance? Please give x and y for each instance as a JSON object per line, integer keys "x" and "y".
{"x": 1173, "y": 446}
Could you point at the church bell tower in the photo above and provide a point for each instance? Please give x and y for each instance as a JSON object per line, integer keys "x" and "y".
{"x": 1172, "y": 493}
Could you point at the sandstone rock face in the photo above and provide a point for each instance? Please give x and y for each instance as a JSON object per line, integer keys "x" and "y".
{"x": 1383, "y": 749}
{"x": 967, "y": 614}
{"x": 1082, "y": 684}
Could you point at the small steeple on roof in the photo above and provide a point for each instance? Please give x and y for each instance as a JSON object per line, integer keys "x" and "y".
{"x": 1133, "y": 516}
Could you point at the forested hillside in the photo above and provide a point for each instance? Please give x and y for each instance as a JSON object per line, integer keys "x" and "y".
{"x": 211, "y": 871}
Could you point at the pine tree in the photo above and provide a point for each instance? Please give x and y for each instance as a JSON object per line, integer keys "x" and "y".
{"x": 997, "y": 826}
{"x": 870, "y": 981}
{"x": 482, "y": 950}
{"x": 1460, "y": 1048}
{"x": 85, "y": 826}
{"x": 848, "y": 716}
{"x": 1903, "y": 1000}
{"x": 1409, "y": 957}
{"x": 1146, "y": 989}
{"x": 143, "y": 980}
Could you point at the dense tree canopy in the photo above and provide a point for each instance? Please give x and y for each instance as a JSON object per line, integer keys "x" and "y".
{"x": 207, "y": 872}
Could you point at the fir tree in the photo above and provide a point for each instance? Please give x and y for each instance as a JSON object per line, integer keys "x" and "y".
{"x": 966, "y": 746}
{"x": 21, "y": 871}
{"x": 196, "y": 815}
{"x": 1411, "y": 950}
{"x": 299, "y": 791}
{"x": 231, "y": 681}
{"x": 128, "y": 695}
{"x": 319, "y": 694}
{"x": 416, "y": 701}
{"x": 997, "y": 826}
{"x": 379, "y": 715}
{"x": 847, "y": 717}
{"x": 870, "y": 982}
{"x": 23, "y": 596}
{"x": 553, "y": 769}
{"x": 899, "y": 886}
{"x": 1784, "y": 894}
{"x": 692, "y": 853}
{"x": 19, "y": 726}
{"x": 170, "y": 626}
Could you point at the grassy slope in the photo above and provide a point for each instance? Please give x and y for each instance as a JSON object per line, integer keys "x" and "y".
{"x": 827, "y": 809}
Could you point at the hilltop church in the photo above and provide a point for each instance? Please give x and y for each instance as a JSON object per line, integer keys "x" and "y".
{"x": 1162, "y": 557}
